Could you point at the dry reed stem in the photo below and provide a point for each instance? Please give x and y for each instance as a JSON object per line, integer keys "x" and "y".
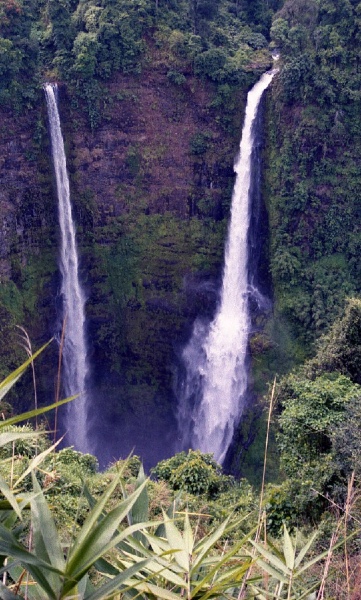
{"x": 26, "y": 344}
{"x": 261, "y": 513}
{"x": 58, "y": 379}
{"x": 349, "y": 499}
{"x": 346, "y": 510}
{"x": 334, "y": 538}
{"x": 337, "y": 506}
{"x": 12, "y": 467}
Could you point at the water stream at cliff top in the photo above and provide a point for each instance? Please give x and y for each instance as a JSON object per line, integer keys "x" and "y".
{"x": 75, "y": 368}
{"x": 212, "y": 395}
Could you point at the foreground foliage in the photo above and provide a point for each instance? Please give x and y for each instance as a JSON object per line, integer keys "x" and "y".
{"x": 117, "y": 551}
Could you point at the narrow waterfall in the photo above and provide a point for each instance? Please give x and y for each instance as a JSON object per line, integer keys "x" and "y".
{"x": 212, "y": 395}
{"x": 74, "y": 356}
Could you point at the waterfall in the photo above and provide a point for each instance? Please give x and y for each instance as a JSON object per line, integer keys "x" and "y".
{"x": 212, "y": 394}
{"x": 74, "y": 355}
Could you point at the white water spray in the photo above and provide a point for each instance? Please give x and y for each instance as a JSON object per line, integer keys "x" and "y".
{"x": 212, "y": 398}
{"x": 74, "y": 351}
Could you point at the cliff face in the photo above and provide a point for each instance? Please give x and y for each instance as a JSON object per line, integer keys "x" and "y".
{"x": 150, "y": 188}
{"x": 27, "y": 239}
{"x": 24, "y": 199}
{"x": 159, "y": 176}
{"x": 145, "y": 148}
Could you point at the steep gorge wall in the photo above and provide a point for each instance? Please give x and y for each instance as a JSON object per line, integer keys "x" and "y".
{"x": 312, "y": 170}
{"x": 27, "y": 238}
{"x": 151, "y": 189}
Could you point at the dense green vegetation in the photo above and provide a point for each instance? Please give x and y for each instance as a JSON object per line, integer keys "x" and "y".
{"x": 68, "y": 531}
{"x": 313, "y": 158}
{"x": 148, "y": 256}
{"x": 86, "y": 42}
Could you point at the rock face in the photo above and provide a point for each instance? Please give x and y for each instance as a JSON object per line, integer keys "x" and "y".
{"x": 144, "y": 148}
{"x": 25, "y": 201}
{"x": 150, "y": 188}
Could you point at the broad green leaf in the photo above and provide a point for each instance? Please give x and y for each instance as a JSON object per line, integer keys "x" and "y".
{"x": 34, "y": 413}
{"x": 159, "y": 545}
{"x": 316, "y": 559}
{"x": 166, "y": 573}
{"x": 85, "y": 566}
{"x": 135, "y": 546}
{"x": 6, "y": 594}
{"x": 305, "y": 549}
{"x": 140, "y": 509}
{"x": 261, "y": 594}
{"x": 210, "y": 541}
{"x": 46, "y": 540}
{"x": 160, "y": 531}
{"x": 269, "y": 569}
{"x": 258, "y": 593}
{"x": 27, "y": 587}
{"x": 96, "y": 511}
{"x": 274, "y": 560}
{"x": 10, "y": 497}
{"x": 100, "y": 540}
{"x": 188, "y": 535}
{"x": 276, "y": 551}
{"x": 288, "y": 550}
{"x": 47, "y": 546}
{"x": 103, "y": 566}
{"x": 153, "y": 590}
{"x": 202, "y": 548}
{"x": 8, "y": 437}
{"x": 38, "y": 568}
{"x": 220, "y": 562}
{"x": 11, "y": 379}
{"x": 116, "y": 584}
{"x": 85, "y": 587}
{"x": 232, "y": 573}
{"x": 176, "y": 542}
{"x": 225, "y": 581}
{"x": 159, "y": 592}
{"x": 307, "y": 593}
{"x": 37, "y": 460}
{"x": 24, "y": 500}
{"x": 158, "y": 566}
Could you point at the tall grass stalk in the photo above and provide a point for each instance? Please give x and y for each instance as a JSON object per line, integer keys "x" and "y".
{"x": 58, "y": 378}
{"x": 261, "y": 514}
{"x": 333, "y": 541}
{"x": 343, "y": 520}
{"x": 26, "y": 344}
{"x": 348, "y": 505}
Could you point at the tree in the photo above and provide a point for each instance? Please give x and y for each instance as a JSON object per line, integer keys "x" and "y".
{"x": 210, "y": 63}
{"x": 346, "y": 440}
{"x": 340, "y": 349}
{"x": 193, "y": 472}
{"x": 279, "y": 32}
{"x": 62, "y": 25}
{"x": 85, "y": 50}
{"x": 311, "y": 411}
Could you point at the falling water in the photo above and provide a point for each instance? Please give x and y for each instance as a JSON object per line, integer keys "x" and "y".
{"x": 213, "y": 392}
{"x": 74, "y": 350}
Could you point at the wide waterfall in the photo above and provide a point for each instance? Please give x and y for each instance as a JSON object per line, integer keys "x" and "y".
{"x": 74, "y": 355}
{"x": 212, "y": 395}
